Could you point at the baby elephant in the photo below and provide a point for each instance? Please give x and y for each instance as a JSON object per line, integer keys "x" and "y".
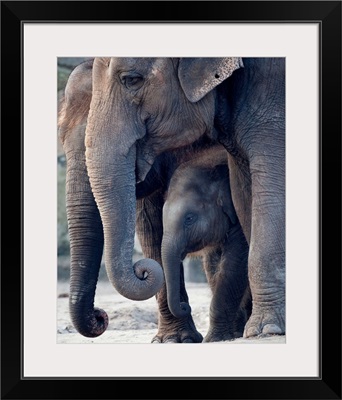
{"x": 199, "y": 219}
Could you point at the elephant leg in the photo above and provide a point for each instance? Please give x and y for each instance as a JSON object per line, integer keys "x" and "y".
{"x": 266, "y": 263}
{"x": 226, "y": 272}
{"x": 149, "y": 229}
{"x": 259, "y": 199}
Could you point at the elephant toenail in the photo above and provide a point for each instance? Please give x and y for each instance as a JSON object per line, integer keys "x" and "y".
{"x": 271, "y": 329}
{"x": 252, "y": 331}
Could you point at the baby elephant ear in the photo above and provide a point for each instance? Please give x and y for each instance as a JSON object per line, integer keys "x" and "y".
{"x": 200, "y": 75}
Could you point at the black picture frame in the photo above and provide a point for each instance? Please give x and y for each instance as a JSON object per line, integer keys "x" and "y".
{"x": 328, "y": 15}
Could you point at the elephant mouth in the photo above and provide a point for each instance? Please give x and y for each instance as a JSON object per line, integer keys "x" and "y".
{"x": 144, "y": 161}
{"x": 143, "y": 167}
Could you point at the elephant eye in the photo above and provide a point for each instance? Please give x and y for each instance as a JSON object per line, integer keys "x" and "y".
{"x": 190, "y": 219}
{"x": 131, "y": 81}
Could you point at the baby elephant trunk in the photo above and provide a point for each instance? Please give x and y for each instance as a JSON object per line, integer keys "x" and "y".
{"x": 171, "y": 259}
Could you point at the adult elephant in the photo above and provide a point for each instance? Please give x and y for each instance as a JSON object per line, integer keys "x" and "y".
{"x": 142, "y": 107}
{"x": 86, "y": 228}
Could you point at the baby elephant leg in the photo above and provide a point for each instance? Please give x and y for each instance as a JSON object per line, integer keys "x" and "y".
{"x": 227, "y": 275}
{"x": 172, "y": 329}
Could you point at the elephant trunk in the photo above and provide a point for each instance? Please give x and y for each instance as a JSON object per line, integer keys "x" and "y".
{"x": 171, "y": 259}
{"x": 86, "y": 246}
{"x": 112, "y": 178}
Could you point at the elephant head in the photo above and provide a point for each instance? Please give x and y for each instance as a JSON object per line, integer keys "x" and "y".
{"x": 140, "y": 108}
{"x": 197, "y": 214}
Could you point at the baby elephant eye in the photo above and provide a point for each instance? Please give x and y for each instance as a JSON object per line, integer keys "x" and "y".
{"x": 190, "y": 219}
{"x": 131, "y": 81}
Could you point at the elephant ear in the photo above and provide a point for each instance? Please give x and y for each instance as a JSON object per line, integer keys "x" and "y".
{"x": 198, "y": 76}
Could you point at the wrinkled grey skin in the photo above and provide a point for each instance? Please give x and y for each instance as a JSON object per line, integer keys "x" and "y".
{"x": 141, "y": 108}
{"x": 199, "y": 219}
{"x": 86, "y": 228}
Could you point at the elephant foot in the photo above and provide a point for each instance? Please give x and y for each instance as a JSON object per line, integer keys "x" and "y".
{"x": 220, "y": 334}
{"x": 266, "y": 321}
{"x": 178, "y": 331}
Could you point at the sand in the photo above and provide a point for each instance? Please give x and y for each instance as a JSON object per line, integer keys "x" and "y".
{"x": 136, "y": 321}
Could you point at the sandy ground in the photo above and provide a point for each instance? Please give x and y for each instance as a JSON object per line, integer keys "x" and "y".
{"x": 135, "y": 321}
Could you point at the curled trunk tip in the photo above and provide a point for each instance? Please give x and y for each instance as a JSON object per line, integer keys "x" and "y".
{"x": 147, "y": 280}
{"x": 92, "y": 325}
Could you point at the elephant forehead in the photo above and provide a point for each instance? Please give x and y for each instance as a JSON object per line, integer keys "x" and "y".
{"x": 159, "y": 64}
{"x": 174, "y": 206}
{"x": 194, "y": 181}
{"x": 182, "y": 203}
{"x": 143, "y": 65}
